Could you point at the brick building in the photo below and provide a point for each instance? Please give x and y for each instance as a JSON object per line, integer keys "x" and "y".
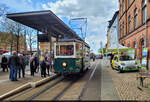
{"x": 6, "y": 40}
{"x": 134, "y": 25}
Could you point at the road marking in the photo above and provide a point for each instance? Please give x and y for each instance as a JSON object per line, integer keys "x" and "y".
{"x": 93, "y": 72}
{"x": 81, "y": 95}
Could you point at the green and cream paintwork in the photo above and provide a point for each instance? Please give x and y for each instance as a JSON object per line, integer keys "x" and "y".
{"x": 74, "y": 62}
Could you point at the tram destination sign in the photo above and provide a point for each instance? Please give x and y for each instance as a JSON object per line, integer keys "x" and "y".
{"x": 43, "y": 38}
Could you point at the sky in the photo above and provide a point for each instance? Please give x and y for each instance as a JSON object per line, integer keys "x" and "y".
{"x": 97, "y": 12}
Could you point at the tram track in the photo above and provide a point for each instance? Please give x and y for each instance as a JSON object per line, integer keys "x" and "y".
{"x": 52, "y": 90}
{"x": 64, "y": 90}
{"x": 44, "y": 90}
{"x": 86, "y": 85}
{"x": 33, "y": 92}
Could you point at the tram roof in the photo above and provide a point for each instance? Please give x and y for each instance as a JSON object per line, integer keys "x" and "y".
{"x": 44, "y": 21}
{"x": 72, "y": 40}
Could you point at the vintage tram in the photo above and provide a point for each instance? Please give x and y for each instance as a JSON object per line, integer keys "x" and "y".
{"x": 71, "y": 57}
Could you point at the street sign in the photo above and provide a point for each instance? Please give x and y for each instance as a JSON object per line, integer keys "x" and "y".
{"x": 43, "y": 38}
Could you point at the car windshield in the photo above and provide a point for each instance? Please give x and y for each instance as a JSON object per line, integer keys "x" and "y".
{"x": 64, "y": 50}
{"x": 125, "y": 58}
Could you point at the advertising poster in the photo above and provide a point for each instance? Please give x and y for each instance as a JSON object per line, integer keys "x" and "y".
{"x": 144, "y": 57}
{"x": 129, "y": 52}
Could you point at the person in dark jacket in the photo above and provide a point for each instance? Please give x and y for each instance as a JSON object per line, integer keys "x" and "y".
{"x": 43, "y": 67}
{"x": 36, "y": 59}
{"x": 32, "y": 66}
{"x": 22, "y": 66}
{"x": 14, "y": 65}
{"x": 4, "y": 63}
{"x": 34, "y": 62}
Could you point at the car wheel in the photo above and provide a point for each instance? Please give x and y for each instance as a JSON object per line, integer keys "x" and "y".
{"x": 112, "y": 67}
{"x": 120, "y": 71}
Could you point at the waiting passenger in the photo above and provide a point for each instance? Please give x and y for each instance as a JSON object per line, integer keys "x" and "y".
{"x": 4, "y": 63}
{"x": 43, "y": 68}
{"x": 14, "y": 65}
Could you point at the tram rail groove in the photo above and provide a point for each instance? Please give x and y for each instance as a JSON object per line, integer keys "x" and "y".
{"x": 13, "y": 93}
{"x": 38, "y": 85}
{"x": 64, "y": 90}
{"x": 86, "y": 85}
{"x": 52, "y": 78}
{"x": 45, "y": 89}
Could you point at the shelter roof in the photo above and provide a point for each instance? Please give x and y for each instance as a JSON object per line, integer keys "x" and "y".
{"x": 44, "y": 21}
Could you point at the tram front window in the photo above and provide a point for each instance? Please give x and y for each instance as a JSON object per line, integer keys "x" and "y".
{"x": 65, "y": 50}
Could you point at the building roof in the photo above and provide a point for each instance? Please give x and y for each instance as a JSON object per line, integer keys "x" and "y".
{"x": 44, "y": 21}
{"x": 113, "y": 19}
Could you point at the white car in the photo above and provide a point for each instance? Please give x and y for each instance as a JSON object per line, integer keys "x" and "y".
{"x": 124, "y": 63}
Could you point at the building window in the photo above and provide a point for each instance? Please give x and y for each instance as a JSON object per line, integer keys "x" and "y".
{"x": 123, "y": 29}
{"x": 129, "y": 2}
{"x": 119, "y": 33}
{"x": 123, "y": 6}
{"x": 135, "y": 18}
{"x": 129, "y": 24}
{"x": 128, "y": 44}
{"x": 120, "y": 10}
{"x": 144, "y": 13}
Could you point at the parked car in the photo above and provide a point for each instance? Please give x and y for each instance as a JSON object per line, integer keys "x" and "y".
{"x": 3, "y": 51}
{"x": 124, "y": 63}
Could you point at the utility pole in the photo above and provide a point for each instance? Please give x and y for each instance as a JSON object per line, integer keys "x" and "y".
{"x": 101, "y": 46}
{"x": 79, "y": 24}
{"x": 18, "y": 36}
{"x": 37, "y": 44}
{"x": 25, "y": 42}
{"x": 146, "y": 45}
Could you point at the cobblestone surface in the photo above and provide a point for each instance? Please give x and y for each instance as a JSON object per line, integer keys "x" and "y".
{"x": 127, "y": 85}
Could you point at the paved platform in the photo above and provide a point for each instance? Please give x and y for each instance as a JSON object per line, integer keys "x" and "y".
{"x": 108, "y": 90}
{"x": 6, "y": 85}
{"x": 100, "y": 86}
{"x": 92, "y": 90}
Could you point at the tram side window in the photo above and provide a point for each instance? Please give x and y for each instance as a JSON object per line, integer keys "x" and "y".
{"x": 77, "y": 49}
{"x": 66, "y": 50}
{"x": 57, "y": 50}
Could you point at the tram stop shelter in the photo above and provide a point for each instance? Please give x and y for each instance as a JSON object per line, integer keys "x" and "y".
{"x": 46, "y": 22}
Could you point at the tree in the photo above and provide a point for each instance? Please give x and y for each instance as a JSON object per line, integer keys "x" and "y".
{"x": 31, "y": 38}
{"x": 3, "y": 10}
{"x": 15, "y": 29}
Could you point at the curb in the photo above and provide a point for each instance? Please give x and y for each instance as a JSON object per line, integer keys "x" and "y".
{"x": 27, "y": 86}
{"x": 43, "y": 81}
{"x": 15, "y": 91}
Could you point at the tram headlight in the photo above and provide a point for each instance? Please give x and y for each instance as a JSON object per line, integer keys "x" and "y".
{"x": 64, "y": 64}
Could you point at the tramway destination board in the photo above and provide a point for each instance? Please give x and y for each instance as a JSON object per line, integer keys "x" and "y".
{"x": 43, "y": 38}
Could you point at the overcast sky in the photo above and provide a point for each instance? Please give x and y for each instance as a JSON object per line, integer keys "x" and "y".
{"x": 97, "y": 12}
